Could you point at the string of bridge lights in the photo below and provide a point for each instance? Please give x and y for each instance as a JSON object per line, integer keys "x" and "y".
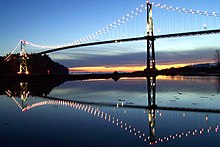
{"x": 188, "y": 133}
{"x": 13, "y": 98}
{"x": 96, "y": 112}
{"x": 11, "y": 53}
{"x": 122, "y": 21}
{"x": 184, "y": 10}
{"x": 102, "y": 31}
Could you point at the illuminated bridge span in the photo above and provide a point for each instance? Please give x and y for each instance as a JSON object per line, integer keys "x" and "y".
{"x": 179, "y": 22}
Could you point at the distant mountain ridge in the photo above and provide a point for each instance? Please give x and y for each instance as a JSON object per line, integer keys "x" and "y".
{"x": 205, "y": 65}
{"x": 194, "y": 70}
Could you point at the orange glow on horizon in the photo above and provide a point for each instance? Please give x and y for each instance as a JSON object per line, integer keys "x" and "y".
{"x": 102, "y": 69}
{"x": 132, "y": 68}
{"x": 107, "y": 69}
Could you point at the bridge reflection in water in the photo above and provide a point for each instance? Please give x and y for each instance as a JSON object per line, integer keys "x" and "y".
{"x": 164, "y": 123}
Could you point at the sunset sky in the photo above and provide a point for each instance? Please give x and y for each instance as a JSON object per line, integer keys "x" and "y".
{"x": 55, "y": 22}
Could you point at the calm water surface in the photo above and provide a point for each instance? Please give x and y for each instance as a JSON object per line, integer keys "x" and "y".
{"x": 110, "y": 113}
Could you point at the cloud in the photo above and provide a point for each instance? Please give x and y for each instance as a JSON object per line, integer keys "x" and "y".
{"x": 202, "y": 54}
{"x": 106, "y": 60}
{"x": 137, "y": 58}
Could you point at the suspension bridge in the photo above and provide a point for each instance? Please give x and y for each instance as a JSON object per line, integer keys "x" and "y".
{"x": 169, "y": 22}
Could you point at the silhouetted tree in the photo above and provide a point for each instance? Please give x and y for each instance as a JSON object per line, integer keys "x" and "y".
{"x": 216, "y": 57}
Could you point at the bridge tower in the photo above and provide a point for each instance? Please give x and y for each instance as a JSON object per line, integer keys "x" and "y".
{"x": 151, "y": 85}
{"x": 23, "y": 59}
{"x": 150, "y": 39}
{"x": 24, "y": 93}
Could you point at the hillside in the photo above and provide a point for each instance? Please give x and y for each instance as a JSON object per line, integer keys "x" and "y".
{"x": 37, "y": 64}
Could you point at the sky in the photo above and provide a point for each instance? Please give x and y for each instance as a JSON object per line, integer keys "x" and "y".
{"x": 55, "y": 22}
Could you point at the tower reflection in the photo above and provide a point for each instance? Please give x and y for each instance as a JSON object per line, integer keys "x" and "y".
{"x": 151, "y": 86}
{"x": 23, "y": 89}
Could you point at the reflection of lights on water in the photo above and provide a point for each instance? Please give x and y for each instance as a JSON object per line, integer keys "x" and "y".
{"x": 127, "y": 127}
{"x": 206, "y": 118}
{"x": 187, "y": 134}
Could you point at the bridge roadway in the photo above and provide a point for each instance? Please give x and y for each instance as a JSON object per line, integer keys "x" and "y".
{"x": 203, "y": 110}
{"x": 197, "y": 33}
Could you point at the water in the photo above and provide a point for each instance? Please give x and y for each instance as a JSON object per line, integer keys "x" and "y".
{"x": 109, "y": 113}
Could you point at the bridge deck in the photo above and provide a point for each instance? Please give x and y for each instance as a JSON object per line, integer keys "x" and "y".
{"x": 134, "y": 39}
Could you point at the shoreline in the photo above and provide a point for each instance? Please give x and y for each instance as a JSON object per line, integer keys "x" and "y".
{"x": 115, "y": 76}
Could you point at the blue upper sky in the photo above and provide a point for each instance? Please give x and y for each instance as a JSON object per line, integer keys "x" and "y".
{"x": 53, "y": 22}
